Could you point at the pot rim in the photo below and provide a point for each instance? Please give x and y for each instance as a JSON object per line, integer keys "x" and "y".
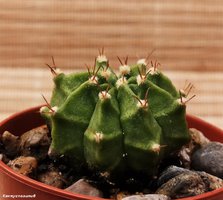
{"x": 63, "y": 193}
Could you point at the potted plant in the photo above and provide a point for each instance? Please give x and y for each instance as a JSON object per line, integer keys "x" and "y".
{"x": 114, "y": 125}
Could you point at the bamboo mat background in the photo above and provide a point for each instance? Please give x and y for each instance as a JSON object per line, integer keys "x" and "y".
{"x": 187, "y": 37}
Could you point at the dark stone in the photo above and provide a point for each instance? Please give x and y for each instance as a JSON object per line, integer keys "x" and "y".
{"x": 82, "y": 186}
{"x": 10, "y": 143}
{"x": 170, "y": 173}
{"x": 35, "y": 143}
{"x": 209, "y": 158}
{"x": 184, "y": 185}
{"x": 211, "y": 182}
{"x": 197, "y": 140}
{"x": 4, "y": 158}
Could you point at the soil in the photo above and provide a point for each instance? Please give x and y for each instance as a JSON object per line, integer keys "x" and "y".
{"x": 29, "y": 156}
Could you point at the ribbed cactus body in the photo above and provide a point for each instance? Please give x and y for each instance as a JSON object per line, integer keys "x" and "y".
{"x": 115, "y": 123}
{"x": 103, "y": 142}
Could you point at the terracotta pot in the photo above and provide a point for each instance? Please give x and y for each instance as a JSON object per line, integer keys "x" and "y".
{"x": 12, "y": 183}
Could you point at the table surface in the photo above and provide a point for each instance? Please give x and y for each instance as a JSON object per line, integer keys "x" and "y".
{"x": 21, "y": 88}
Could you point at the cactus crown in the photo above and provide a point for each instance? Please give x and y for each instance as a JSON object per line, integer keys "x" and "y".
{"x": 116, "y": 123}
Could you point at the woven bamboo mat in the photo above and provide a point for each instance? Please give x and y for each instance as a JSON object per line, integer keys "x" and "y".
{"x": 21, "y": 88}
{"x": 187, "y": 35}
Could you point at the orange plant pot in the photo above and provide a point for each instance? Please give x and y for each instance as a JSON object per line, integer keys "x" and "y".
{"x": 12, "y": 183}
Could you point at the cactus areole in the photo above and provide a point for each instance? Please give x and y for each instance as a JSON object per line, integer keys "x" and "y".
{"x": 115, "y": 124}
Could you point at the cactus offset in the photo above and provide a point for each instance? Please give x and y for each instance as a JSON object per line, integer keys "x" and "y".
{"x": 113, "y": 124}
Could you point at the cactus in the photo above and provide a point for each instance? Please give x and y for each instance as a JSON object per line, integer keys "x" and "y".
{"x": 116, "y": 123}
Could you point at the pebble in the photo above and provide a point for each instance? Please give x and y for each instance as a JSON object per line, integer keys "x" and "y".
{"x": 82, "y": 186}
{"x": 147, "y": 197}
{"x": 35, "y": 143}
{"x": 4, "y": 158}
{"x": 198, "y": 137}
{"x": 23, "y": 165}
{"x": 183, "y": 185}
{"x": 170, "y": 173}
{"x": 178, "y": 182}
{"x": 212, "y": 182}
{"x": 197, "y": 140}
{"x": 209, "y": 158}
{"x": 10, "y": 143}
{"x": 52, "y": 178}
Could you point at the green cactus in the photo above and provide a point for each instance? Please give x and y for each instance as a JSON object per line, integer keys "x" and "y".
{"x": 114, "y": 124}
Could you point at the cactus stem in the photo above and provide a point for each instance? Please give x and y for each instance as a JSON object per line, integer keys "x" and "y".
{"x": 98, "y": 137}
